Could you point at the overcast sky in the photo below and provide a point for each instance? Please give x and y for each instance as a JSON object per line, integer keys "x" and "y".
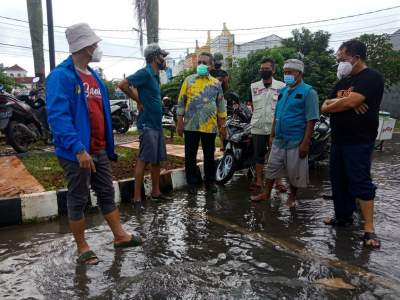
{"x": 189, "y": 14}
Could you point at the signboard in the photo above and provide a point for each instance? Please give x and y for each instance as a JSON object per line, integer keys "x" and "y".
{"x": 386, "y": 128}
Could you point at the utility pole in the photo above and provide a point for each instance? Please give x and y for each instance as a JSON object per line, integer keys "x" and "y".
{"x": 35, "y": 17}
{"x": 50, "y": 30}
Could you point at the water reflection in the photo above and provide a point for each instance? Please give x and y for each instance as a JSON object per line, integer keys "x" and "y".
{"x": 214, "y": 246}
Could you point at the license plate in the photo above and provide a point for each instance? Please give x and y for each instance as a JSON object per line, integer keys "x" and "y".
{"x": 5, "y": 114}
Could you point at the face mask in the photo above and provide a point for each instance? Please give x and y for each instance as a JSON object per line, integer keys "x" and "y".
{"x": 344, "y": 69}
{"x": 202, "y": 70}
{"x": 161, "y": 64}
{"x": 266, "y": 74}
{"x": 97, "y": 55}
{"x": 289, "y": 79}
{"x": 218, "y": 65}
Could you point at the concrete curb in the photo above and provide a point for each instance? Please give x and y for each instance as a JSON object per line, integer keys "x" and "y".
{"x": 40, "y": 207}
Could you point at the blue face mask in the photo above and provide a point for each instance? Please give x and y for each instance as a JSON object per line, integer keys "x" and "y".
{"x": 202, "y": 70}
{"x": 289, "y": 79}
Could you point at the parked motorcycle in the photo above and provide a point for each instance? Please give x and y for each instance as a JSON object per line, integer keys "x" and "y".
{"x": 122, "y": 116}
{"x": 238, "y": 153}
{"x": 320, "y": 141}
{"x": 238, "y": 147}
{"x": 21, "y": 123}
{"x": 168, "y": 122}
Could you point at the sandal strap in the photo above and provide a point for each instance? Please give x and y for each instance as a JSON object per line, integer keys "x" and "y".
{"x": 84, "y": 257}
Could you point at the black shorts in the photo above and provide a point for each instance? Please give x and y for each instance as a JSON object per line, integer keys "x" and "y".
{"x": 260, "y": 147}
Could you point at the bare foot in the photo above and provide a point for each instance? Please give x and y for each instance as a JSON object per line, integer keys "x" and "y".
{"x": 260, "y": 197}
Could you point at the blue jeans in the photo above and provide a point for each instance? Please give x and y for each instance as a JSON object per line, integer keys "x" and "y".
{"x": 350, "y": 172}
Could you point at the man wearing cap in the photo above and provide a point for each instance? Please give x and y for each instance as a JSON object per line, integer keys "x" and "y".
{"x": 296, "y": 112}
{"x": 144, "y": 88}
{"x": 80, "y": 119}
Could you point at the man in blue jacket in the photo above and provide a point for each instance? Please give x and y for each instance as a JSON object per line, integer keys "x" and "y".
{"x": 80, "y": 119}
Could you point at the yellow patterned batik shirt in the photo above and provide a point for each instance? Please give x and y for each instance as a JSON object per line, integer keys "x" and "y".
{"x": 200, "y": 101}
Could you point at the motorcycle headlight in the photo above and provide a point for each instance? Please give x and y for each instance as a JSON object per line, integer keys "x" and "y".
{"x": 323, "y": 127}
{"x": 237, "y": 137}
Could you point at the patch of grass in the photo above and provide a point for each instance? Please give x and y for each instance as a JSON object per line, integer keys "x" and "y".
{"x": 46, "y": 169}
{"x": 132, "y": 133}
{"x": 397, "y": 125}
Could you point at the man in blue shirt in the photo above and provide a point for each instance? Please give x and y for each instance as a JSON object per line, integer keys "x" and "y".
{"x": 144, "y": 88}
{"x": 296, "y": 112}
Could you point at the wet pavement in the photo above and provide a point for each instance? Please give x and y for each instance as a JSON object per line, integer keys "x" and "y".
{"x": 217, "y": 246}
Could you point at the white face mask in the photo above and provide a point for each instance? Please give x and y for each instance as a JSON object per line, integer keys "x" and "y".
{"x": 97, "y": 55}
{"x": 344, "y": 69}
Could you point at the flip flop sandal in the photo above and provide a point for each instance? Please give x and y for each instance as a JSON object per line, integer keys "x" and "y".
{"x": 371, "y": 236}
{"x": 339, "y": 222}
{"x": 84, "y": 258}
{"x": 135, "y": 241}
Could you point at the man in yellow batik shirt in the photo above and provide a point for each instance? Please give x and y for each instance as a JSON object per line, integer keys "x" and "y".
{"x": 201, "y": 114}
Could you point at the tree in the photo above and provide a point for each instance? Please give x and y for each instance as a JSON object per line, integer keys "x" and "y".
{"x": 246, "y": 70}
{"x": 305, "y": 41}
{"x": 311, "y": 48}
{"x": 147, "y": 12}
{"x": 382, "y": 57}
{"x": 111, "y": 85}
{"x": 319, "y": 60}
{"x": 35, "y": 17}
{"x": 6, "y": 81}
{"x": 172, "y": 88}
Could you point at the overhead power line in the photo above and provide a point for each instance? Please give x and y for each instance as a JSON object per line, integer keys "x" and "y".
{"x": 235, "y": 29}
{"x": 60, "y": 51}
{"x": 289, "y": 25}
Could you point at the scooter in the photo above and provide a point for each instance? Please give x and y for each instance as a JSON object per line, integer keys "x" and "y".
{"x": 320, "y": 141}
{"x": 20, "y": 123}
{"x": 168, "y": 122}
{"x": 238, "y": 147}
{"x": 122, "y": 116}
{"x": 238, "y": 153}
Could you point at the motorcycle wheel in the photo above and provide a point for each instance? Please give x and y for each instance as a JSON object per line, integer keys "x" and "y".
{"x": 16, "y": 138}
{"x": 124, "y": 125}
{"x": 225, "y": 169}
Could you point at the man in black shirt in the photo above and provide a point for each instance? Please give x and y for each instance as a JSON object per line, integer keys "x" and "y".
{"x": 354, "y": 107}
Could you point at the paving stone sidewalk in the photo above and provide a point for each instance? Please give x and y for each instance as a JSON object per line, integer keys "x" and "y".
{"x": 15, "y": 178}
{"x": 175, "y": 150}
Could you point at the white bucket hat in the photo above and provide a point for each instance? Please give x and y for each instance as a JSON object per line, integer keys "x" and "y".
{"x": 80, "y": 36}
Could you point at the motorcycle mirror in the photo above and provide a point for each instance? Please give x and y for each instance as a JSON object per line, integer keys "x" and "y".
{"x": 36, "y": 80}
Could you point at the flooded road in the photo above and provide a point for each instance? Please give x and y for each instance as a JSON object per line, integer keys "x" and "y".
{"x": 218, "y": 247}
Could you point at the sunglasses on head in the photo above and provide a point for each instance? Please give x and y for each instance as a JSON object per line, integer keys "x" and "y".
{"x": 202, "y": 62}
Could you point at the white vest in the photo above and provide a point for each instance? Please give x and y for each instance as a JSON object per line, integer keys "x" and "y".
{"x": 264, "y": 103}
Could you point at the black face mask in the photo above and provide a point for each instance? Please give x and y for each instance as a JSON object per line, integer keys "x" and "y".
{"x": 266, "y": 74}
{"x": 218, "y": 65}
{"x": 161, "y": 64}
